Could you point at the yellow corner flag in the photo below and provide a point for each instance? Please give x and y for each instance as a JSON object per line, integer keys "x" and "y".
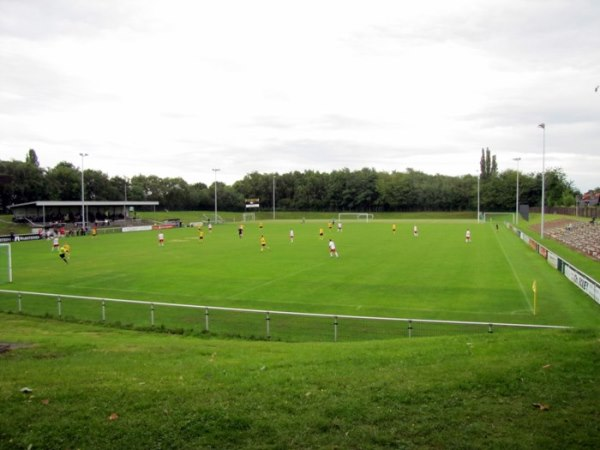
{"x": 534, "y": 289}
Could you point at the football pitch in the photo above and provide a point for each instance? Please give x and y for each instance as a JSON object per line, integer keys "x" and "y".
{"x": 435, "y": 275}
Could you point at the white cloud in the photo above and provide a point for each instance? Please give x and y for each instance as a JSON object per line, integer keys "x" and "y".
{"x": 177, "y": 88}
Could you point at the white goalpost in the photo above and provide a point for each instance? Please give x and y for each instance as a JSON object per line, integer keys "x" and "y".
{"x": 249, "y": 217}
{"x": 492, "y": 216}
{"x": 5, "y": 264}
{"x": 367, "y": 217}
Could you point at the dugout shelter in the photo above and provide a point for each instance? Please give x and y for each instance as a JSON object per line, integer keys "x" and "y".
{"x": 69, "y": 212}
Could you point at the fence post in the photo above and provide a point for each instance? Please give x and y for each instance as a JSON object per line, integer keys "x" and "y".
{"x": 490, "y": 328}
{"x": 410, "y": 328}
{"x": 335, "y": 328}
{"x": 206, "y": 320}
{"x": 59, "y": 303}
{"x": 152, "y": 314}
{"x": 19, "y": 303}
{"x": 268, "y": 320}
{"x": 103, "y": 311}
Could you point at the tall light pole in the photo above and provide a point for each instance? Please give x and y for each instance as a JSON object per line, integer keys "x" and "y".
{"x": 543, "y": 127}
{"x": 478, "y": 194}
{"x": 215, "y": 171}
{"x": 273, "y": 197}
{"x": 517, "y": 196}
{"x": 83, "y": 155}
{"x": 125, "y": 204}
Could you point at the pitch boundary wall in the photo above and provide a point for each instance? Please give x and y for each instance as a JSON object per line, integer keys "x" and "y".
{"x": 580, "y": 279}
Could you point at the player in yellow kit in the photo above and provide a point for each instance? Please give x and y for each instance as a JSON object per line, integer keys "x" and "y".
{"x": 62, "y": 253}
{"x": 263, "y": 243}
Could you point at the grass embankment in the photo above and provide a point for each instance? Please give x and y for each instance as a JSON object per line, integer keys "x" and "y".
{"x": 99, "y": 388}
{"x": 7, "y": 226}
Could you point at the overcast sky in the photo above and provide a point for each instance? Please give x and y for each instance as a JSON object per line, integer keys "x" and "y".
{"x": 177, "y": 88}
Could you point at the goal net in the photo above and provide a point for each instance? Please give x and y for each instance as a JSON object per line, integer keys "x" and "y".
{"x": 367, "y": 217}
{"x": 498, "y": 217}
{"x": 249, "y": 217}
{"x": 5, "y": 264}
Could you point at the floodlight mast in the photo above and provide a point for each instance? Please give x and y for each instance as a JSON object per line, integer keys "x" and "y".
{"x": 478, "y": 195}
{"x": 125, "y": 204}
{"x": 83, "y": 155}
{"x": 215, "y": 171}
{"x": 543, "y": 127}
{"x": 517, "y": 196}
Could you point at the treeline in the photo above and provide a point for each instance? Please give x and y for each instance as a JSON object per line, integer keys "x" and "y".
{"x": 341, "y": 190}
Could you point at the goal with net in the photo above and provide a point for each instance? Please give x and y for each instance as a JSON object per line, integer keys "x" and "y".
{"x": 499, "y": 217}
{"x": 367, "y": 217}
{"x": 249, "y": 217}
{"x": 5, "y": 264}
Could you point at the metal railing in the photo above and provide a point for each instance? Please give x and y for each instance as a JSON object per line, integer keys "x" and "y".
{"x": 238, "y": 322}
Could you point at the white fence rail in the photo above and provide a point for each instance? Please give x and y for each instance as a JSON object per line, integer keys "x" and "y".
{"x": 248, "y": 323}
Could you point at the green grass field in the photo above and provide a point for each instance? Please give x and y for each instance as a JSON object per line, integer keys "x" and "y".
{"x": 433, "y": 276}
{"x": 96, "y": 387}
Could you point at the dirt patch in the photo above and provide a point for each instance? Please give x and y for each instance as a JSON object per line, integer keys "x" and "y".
{"x": 8, "y": 346}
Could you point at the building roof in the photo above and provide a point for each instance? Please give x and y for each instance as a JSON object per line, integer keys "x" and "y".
{"x": 87, "y": 203}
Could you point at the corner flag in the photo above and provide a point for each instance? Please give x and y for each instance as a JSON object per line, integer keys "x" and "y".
{"x": 534, "y": 286}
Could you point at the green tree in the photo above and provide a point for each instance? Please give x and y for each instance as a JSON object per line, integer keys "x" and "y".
{"x": 361, "y": 192}
{"x": 284, "y": 191}
{"x": 311, "y": 191}
{"x": 98, "y": 186}
{"x": 176, "y": 194}
{"x": 20, "y": 183}
{"x": 488, "y": 165}
{"x": 396, "y": 191}
{"x": 339, "y": 190}
{"x": 148, "y": 188}
{"x": 336, "y": 187}
{"x": 228, "y": 199}
{"x": 200, "y": 197}
{"x": 120, "y": 188}
{"x": 64, "y": 182}
{"x": 559, "y": 191}
{"x": 256, "y": 185}
{"x": 32, "y": 158}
